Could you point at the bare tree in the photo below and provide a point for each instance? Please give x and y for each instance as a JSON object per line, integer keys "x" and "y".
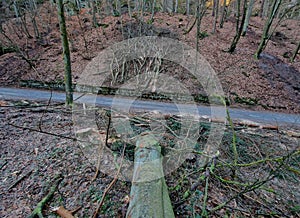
{"x": 248, "y": 15}
{"x": 266, "y": 35}
{"x": 188, "y": 7}
{"x": 224, "y": 13}
{"x": 239, "y": 24}
{"x": 176, "y": 6}
{"x": 33, "y": 12}
{"x": 216, "y": 13}
{"x": 295, "y": 52}
{"x": 168, "y": 6}
{"x": 66, "y": 52}
{"x": 21, "y": 17}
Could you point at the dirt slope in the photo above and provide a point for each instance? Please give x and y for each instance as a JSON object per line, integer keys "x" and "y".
{"x": 270, "y": 83}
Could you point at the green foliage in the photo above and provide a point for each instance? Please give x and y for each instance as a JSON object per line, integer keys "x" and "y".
{"x": 104, "y": 25}
{"x": 295, "y": 210}
{"x": 246, "y": 100}
{"x": 203, "y": 34}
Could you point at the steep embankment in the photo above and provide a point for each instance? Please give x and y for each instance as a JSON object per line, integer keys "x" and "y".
{"x": 270, "y": 83}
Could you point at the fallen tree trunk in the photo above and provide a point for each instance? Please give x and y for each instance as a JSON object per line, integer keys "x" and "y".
{"x": 149, "y": 193}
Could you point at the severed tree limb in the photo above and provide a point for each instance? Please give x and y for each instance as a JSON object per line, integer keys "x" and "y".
{"x": 38, "y": 210}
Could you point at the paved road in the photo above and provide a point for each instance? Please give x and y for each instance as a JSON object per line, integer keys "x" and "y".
{"x": 142, "y": 105}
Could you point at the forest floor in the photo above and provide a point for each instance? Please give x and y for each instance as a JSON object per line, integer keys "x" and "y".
{"x": 264, "y": 183}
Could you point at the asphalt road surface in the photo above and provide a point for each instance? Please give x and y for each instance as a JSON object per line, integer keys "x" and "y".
{"x": 122, "y": 103}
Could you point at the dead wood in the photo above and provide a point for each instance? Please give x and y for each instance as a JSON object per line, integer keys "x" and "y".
{"x": 149, "y": 195}
{"x": 61, "y": 211}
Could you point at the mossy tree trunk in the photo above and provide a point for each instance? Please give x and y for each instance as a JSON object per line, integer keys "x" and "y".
{"x": 149, "y": 193}
{"x": 66, "y": 52}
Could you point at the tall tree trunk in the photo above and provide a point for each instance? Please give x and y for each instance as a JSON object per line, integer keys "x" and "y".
{"x": 118, "y": 8}
{"x": 168, "y": 6}
{"x": 223, "y": 15}
{"x": 176, "y": 6}
{"x": 248, "y": 15}
{"x": 21, "y": 18}
{"x": 216, "y": 14}
{"x": 94, "y": 12}
{"x": 32, "y": 8}
{"x": 187, "y": 7}
{"x": 239, "y": 25}
{"x": 198, "y": 17}
{"x": 295, "y": 52}
{"x": 149, "y": 193}
{"x": 261, "y": 11}
{"x": 200, "y": 12}
{"x": 66, "y": 52}
{"x": 265, "y": 36}
{"x": 129, "y": 8}
{"x": 153, "y": 9}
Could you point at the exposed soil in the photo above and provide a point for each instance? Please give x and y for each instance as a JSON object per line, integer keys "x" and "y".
{"x": 270, "y": 83}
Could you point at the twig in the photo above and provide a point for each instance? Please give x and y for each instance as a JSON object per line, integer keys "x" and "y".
{"x": 234, "y": 146}
{"x": 106, "y": 144}
{"x": 5, "y": 162}
{"x": 191, "y": 27}
{"x": 41, "y": 119}
{"x": 19, "y": 180}
{"x": 110, "y": 185}
{"x": 41, "y": 131}
{"x": 276, "y": 159}
{"x": 251, "y": 187}
{"x": 38, "y": 210}
{"x": 204, "y": 211}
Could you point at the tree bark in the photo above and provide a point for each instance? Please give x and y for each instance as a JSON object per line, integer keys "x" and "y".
{"x": 295, "y": 52}
{"x": 239, "y": 25}
{"x": 248, "y": 15}
{"x": 261, "y": 11}
{"x": 66, "y": 53}
{"x": 149, "y": 193}
{"x": 216, "y": 13}
{"x": 265, "y": 36}
{"x": 224, "y": 15}
{"x": 188, "y": 7}
{"x": 168, "y": 6}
